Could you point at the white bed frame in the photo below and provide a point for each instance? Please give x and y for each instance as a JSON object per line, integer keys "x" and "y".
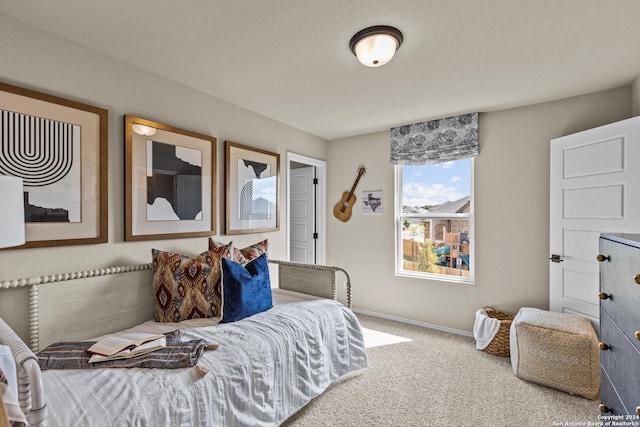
{"x": 110, "y": 312}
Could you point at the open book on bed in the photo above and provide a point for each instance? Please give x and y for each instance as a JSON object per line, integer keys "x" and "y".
{"x": 125, "y": 346}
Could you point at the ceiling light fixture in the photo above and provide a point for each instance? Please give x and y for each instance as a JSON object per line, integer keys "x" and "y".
{"x": 375, "y": 46}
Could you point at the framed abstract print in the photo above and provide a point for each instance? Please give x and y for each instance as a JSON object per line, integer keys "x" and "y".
{"x": 170, "y": 181}
{"x": 59, "y": 148}
{"x": 252, "y": 186}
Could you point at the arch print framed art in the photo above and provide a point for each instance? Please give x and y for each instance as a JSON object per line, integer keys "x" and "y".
{"x": 252, "y": 189}
{"x": 59, "y": 149}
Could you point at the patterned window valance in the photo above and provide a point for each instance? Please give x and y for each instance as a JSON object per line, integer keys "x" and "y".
{"x": 435, "y": 141}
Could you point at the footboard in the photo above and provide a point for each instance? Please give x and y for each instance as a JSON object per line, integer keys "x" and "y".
{"x": 311, "y": 279}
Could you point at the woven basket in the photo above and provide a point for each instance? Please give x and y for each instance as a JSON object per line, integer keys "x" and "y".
{"x": 499, "y": 346}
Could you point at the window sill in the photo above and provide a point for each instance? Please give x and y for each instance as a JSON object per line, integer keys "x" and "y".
{"x": 437, "y": 277}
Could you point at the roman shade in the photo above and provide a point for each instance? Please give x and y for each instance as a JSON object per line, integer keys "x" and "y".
{"x": 435, "y": 141}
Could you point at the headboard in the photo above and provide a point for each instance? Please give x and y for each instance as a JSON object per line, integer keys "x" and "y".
{"x": 122, "y": 297}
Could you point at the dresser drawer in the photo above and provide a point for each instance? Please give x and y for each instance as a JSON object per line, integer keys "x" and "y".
{"x": 618, "y": 283}
{"x": 609, "y": 397}
{"x": 621, "y": 362}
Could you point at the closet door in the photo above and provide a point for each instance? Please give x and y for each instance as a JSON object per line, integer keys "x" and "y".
{"x": 595, "y": 188}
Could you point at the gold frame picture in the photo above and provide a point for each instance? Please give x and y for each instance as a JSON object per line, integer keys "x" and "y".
{"x": 170, "y": 181}
{"x": 59, "y": 148}
{"x": 252, "y": 179}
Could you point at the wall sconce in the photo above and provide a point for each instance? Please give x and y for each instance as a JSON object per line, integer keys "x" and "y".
{"x": 143, "y": 130}
{"x": 12, "y": 212}
{"x": 375, "y": 46}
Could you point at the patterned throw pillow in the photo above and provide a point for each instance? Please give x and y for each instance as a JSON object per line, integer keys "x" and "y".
{"x": 11, "y": 409}
{"x": 188, "y": 288}
{"x": 212, "y": 257}
{"x": 244, "y": 255}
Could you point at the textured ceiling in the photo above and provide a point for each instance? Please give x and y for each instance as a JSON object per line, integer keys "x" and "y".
{"x": 289, "y": 59}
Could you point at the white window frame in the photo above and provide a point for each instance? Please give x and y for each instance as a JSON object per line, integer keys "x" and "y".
{"x": 400, "y": 271}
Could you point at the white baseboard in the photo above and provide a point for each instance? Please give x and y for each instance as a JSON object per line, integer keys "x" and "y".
{"x": 413, "y": 322}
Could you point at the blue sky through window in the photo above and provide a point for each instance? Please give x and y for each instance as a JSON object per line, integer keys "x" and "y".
{"x": 436, "y": 184}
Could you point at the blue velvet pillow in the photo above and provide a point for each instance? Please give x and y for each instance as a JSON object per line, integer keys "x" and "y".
{"x": 246, "y": 290}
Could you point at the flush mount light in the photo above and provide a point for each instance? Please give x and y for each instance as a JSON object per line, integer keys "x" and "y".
{"x": 375, "y": 46}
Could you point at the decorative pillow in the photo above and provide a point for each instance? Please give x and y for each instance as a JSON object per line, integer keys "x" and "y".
{"x": 187, "y": 288}
{"x": 212, "y": 257}
{"x": 246, "y": 290}
{"x": 244, "y": 255}
{"x": 11, "y": 409}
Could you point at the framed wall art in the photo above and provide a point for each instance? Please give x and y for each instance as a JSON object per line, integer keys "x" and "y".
{"x": 170, "y": 181}
{"x": 252, "y": 189}
{"x": 372, "y": 202}
{"x": 59, "y": 148}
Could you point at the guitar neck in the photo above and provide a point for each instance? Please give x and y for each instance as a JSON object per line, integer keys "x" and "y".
{"x": 353, "y": 189}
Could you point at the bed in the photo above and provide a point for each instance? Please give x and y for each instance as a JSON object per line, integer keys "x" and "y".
{"x": 265, "y": 368}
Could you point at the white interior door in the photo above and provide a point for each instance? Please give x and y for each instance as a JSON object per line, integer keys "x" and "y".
{"x": 302, "y": 230}
{"x": 595, "y": 188}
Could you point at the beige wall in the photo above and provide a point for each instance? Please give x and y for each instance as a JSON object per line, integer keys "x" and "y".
{"x": 511, "y": 210}
{"x": 38, "y": 60}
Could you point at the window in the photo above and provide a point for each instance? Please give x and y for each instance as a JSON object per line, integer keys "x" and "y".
{"x": 434, "y": 216}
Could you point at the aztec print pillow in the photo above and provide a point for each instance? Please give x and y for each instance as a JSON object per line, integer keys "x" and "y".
{"x": 246, "y": 290}
{"x": 188, "y": 288}
{"x": 244, "y": 255}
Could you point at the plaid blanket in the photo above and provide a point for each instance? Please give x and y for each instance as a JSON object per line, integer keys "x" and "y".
{"x": 73, "y": 355}
{"x": 11, "y": 405}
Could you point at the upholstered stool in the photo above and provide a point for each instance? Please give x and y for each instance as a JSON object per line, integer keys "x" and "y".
{"x": 556, "y": 350}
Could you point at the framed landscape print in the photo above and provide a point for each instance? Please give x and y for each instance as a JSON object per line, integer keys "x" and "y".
{"x": 59, "y": 148}
{"x": 252, "y": 188}
{"x": 170, "y": 181}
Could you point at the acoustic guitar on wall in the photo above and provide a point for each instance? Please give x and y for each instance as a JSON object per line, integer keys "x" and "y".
{"x": 343, "y": 208}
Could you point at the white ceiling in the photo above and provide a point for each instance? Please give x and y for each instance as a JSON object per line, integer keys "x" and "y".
{"x": 290, "y": 59}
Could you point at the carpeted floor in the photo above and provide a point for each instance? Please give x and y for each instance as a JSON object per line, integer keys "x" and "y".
{"x": 439, "y": 379}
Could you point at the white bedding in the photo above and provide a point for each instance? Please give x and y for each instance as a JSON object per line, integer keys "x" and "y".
{"x": 266, "y": 368}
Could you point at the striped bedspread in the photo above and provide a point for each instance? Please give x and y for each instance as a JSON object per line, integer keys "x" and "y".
{"x": 266, "y": 368}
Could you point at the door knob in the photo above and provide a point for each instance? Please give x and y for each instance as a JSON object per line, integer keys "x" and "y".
{"x": 603, "y": 346}
{"x": 556, "y": 258}
{"x": 601, "y": 258}
{"x": 604, "y": 295}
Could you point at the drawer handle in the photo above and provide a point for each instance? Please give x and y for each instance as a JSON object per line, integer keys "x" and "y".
{"x": 638, "y": 410}
{"x": 636, "y": 278}
{"x": 601, "y": 258}
{"x": 603, "y": 408}
{"x": 638, "y": 335}
{"x": 603, "y": 346}
{"x": 603, "y": 295}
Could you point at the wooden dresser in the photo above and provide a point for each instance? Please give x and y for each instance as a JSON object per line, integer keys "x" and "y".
{"x": 620, "y": 324}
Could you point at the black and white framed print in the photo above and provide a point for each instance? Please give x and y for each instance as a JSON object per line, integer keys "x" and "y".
{"x": 59, "y": 148}
{"x": 252, "y": 186}
{"x": 372, "y": 202}
{"x": 170, "y": 181}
